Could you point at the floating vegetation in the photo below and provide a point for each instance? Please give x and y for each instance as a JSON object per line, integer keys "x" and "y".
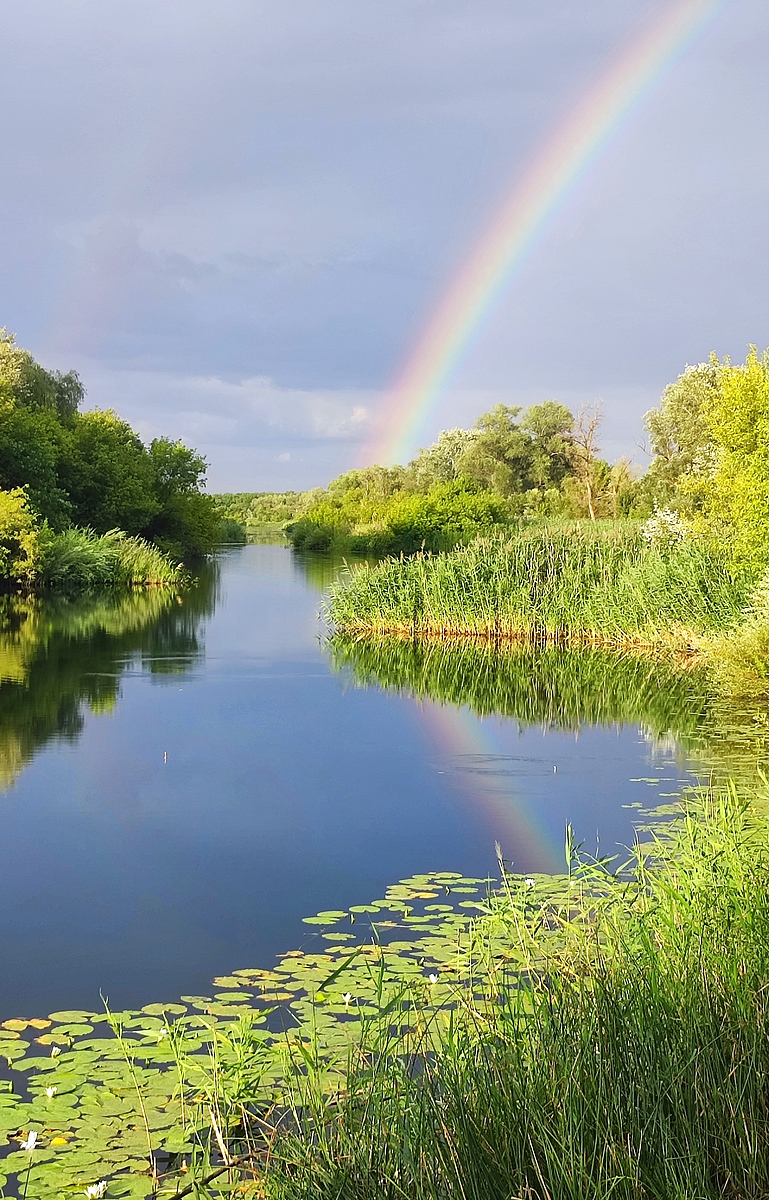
{"x": 123, "y": 1098}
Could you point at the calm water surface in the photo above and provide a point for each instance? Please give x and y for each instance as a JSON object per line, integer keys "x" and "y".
{"x": 183, "y": 782}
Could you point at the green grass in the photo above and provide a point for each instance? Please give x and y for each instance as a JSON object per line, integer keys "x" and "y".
{"x": 79, "y": 559}
{"x": 561, "y": 585}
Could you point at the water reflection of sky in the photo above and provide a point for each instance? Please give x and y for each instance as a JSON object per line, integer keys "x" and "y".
{"x": 189, "y": 827}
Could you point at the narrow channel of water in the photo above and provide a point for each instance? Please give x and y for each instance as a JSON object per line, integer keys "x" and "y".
{"x": 183, "y": 782}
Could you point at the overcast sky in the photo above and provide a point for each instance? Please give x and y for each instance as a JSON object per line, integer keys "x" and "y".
{"x": 233, "y": 217}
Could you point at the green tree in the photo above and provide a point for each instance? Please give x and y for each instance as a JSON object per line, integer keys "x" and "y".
{"x": 736, "y": 488}
{"x": 441, "y": 462}
{"x": 500, "y": 455}
{"x": 31, "y": 386}
{"x": 186, "y": 521}
{"x": 680, "y": 434}
{"x": 108, "y": 475}
{"x": 32, "y": 443}
{"x": 551, "y": 426}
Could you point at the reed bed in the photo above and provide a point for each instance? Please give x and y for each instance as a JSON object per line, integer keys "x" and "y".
{"x": 79, "y": 558}
{"x": 550, "y": 586}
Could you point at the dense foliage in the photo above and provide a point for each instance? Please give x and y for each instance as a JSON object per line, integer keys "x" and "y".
{"x": 90, "y": 469}
{"x": 709, "y": 465}
{"x": 507, "y": 468}
{"x": 256, "y": 511}
{"x": 710, "y": 440}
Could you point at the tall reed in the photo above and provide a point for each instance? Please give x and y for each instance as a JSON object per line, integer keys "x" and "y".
{"x": 549, "y": 585}
{"x": 79, "y": 558}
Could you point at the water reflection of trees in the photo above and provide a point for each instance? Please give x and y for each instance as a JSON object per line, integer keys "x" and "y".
{"x": 568, "y": 689}
{"x": 321, "y": 570}
{"x": 60, "y": 657}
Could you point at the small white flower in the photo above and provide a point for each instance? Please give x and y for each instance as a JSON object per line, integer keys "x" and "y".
{"x": 347, "y": 997}
{"x": 162, "y": 1033}
{"x": 55, "y": 1051}
{"x": 51, "y": 1092}
{"x": 433, "y": 978}
{"x": 95, "y": 1191}
{"x": 30, "y": 1141}
{"x": 530, "y": 882}
{"x": 664, "y": 528}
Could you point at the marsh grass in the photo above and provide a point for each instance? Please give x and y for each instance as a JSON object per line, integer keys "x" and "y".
{"x": 79, "y": 559}
{"x": 559, "y": 586}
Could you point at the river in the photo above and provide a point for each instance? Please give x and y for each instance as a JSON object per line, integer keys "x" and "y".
{"x": 183, "y": 779}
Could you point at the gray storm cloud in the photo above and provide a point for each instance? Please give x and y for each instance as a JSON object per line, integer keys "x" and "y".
{"x": 234, "y": 218}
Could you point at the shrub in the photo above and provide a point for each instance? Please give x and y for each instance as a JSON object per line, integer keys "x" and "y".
{"x": 19, "y": 538}
{"x": 231, "y": 532}
{"x": 450, "y": 514}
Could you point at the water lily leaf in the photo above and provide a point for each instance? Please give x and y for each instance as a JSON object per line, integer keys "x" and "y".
{"x": 159, "y": 1010}
{"x": 72, "y": 1014}
{"x": 14, "y": 1050}
{"x": 72, "y": 1030}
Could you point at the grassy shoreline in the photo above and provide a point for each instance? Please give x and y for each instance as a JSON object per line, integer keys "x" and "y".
{"x": 570, "y": 588}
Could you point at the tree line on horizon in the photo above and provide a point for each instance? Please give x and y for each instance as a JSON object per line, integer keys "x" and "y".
{"x": 709, "y": 440}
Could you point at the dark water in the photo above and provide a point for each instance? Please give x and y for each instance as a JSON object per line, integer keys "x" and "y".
{"x": 184, "y": 781}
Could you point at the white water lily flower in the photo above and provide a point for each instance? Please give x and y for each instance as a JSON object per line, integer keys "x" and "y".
{"x": 162, "y": 1033}
{"x": 95, "y": 1191}
{"x": 51, "y": 1092}
{"x": 30, "y": 1140}
{"x": 433, "y": 978}
{"x": 530, "y": 882}
{"x": 347, "y": 997}
{"x": 55, "y": 1051}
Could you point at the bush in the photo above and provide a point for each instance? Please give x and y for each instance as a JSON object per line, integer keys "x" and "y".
{"x": 450, "y": 514}
{"x": 231, "y": 532}
{"x": 19, "y": 538}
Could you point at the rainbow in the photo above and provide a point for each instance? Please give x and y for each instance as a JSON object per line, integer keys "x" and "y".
{"x": 525, "y": 832}
{"x": 519, "y": 223}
